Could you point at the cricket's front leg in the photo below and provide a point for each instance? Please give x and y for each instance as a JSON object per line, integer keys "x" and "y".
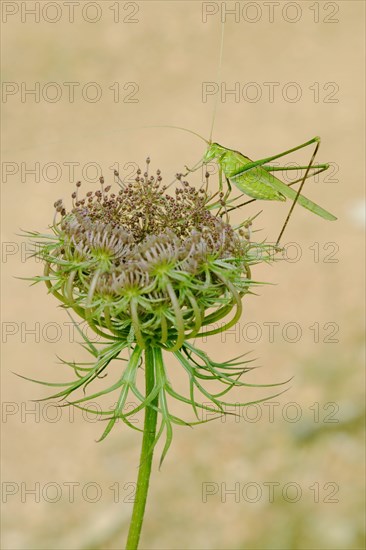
{"x": 222, "y": 200}
{"x": 227, "y": 194}
{"x": 198, "y": 165}
{"x": 221, "y": 187}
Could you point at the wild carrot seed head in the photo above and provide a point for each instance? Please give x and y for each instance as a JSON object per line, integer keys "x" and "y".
{"x": 147, "y": 265}
{"x": 148, "y": 268}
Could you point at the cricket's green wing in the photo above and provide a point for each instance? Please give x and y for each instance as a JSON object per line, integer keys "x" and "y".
{"x": 258, "y": 174}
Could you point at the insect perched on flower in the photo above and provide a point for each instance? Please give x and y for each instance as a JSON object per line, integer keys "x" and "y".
{"x": 150, "y": 270}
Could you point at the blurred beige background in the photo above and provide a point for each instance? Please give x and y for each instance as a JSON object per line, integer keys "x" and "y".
{"x": 315, "y": 463}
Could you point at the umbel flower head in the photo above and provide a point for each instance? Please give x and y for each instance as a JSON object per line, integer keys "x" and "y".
{"x": 150, "y": 268}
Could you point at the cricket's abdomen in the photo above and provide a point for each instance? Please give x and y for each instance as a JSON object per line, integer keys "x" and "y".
{"x": 255, "y": 182}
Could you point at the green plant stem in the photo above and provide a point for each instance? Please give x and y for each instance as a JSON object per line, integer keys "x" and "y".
{"x": 146, "y": 455}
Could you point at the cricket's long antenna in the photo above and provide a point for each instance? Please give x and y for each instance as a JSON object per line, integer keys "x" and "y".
{"x": 176, "y": 128}
{"x": 218, "y": 78}
{"x": 298, "y": 191}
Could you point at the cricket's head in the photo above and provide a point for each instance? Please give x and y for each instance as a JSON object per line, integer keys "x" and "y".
{"x": 214, "y": 151}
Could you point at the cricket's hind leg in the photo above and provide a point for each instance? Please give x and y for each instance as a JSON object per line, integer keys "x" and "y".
{"x": 306, "y": 175}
